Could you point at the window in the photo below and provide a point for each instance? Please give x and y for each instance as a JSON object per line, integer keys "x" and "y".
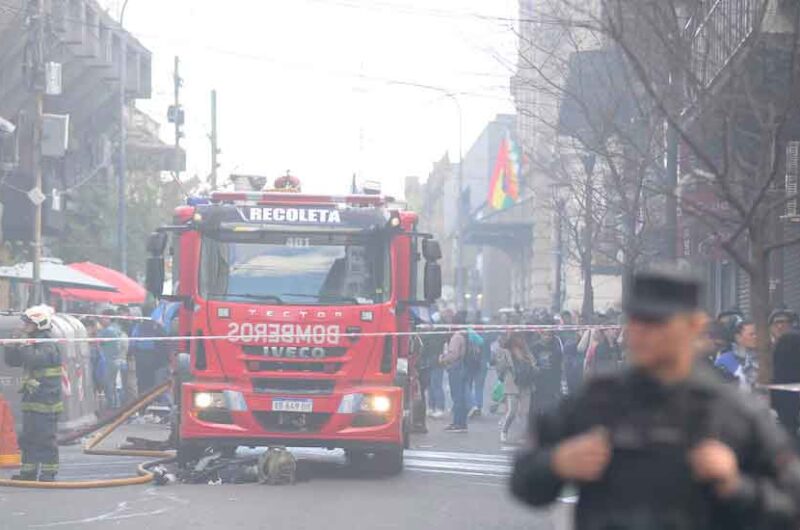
{"x": 322, "y": 269}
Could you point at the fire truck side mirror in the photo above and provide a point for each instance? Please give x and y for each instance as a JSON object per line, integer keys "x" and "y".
{"x": 431, "y": 250}
{"x": 154, "y": 278}
{"x": 157, "y": 243}
{"x": 433, "y": 281}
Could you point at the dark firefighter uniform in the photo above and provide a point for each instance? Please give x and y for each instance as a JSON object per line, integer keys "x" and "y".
{"x": 648, "y": 482}
{"x": 41, "y": 405}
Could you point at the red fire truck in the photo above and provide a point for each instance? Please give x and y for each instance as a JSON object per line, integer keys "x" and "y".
{"x": 306, "y": 302}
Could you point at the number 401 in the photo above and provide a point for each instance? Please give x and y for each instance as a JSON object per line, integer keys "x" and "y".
{"x": 298, "y": 242}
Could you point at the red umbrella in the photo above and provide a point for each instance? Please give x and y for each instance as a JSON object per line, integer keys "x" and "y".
{"x": 128, "y": 291}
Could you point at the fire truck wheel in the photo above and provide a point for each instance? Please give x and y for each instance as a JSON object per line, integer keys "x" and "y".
{"x": 389, "y": 462}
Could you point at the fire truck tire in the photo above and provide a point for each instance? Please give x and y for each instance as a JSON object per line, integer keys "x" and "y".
{"x": 389, "y": 462}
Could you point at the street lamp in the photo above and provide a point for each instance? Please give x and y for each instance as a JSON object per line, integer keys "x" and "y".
{"x": 122, "y": 156}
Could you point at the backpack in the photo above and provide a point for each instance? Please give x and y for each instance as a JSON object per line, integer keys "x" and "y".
{"x": 524, "y": 373}
{"x": 474, "y": 355}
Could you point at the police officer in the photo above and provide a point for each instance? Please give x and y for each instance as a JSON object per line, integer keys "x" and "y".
{"x": 41, "y": 397}
{"x": 666, "y": 444}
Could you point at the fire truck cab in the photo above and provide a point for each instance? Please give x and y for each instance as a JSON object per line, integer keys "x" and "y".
{"x": 296, "y": 310}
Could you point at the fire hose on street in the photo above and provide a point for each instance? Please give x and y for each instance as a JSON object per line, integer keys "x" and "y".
{"x": 103, "y": 429}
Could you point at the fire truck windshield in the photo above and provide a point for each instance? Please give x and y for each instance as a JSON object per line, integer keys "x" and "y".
{"x": 323, "y": 269}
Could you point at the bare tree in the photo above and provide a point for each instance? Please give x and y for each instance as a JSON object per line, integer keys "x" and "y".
{"x": 722, "y": 77}
{"x": 599, "y": 140}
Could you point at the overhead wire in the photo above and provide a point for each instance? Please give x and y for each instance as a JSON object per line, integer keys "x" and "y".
{"x": 273, "y": 60}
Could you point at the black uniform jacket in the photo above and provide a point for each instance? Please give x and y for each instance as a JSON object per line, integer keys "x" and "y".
{"x": 42, "y": 364}
{"x": 648, "y": 483}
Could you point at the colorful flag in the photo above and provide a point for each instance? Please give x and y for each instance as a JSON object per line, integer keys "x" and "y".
{"x": 504, "y": 187}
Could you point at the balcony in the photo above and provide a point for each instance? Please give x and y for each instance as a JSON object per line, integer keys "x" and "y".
{"x": 719, "y": 31}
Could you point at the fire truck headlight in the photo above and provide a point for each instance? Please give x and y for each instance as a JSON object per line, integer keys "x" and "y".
{"x": 209, "y": 400}
{"x": 376, "y": 403}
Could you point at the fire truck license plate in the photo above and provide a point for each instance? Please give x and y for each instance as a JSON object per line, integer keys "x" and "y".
{"x": 292, "y": 405}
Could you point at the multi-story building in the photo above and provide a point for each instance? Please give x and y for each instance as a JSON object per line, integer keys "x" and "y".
{"x": 732, "y": 44}
{"x": 546, "y": 275}
{"x": 89, "y": 48}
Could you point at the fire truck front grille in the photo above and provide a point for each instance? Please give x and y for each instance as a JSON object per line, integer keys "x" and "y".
{"x": 293, "y": 386}
{"x": 291, "y": 421}
{"x": 281, "y": 366}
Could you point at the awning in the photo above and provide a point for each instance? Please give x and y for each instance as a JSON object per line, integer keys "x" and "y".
{"x": 55, "y": 274}
{"x": 127, "y": 290}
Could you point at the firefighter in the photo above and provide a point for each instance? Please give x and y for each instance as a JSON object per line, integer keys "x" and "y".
{"x": 41, "y": 397}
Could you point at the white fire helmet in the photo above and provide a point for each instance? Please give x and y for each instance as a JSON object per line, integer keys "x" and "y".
{"x": 40, "y": 315}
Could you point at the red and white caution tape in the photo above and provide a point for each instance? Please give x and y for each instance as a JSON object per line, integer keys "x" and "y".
{"x": 281, "y": 337}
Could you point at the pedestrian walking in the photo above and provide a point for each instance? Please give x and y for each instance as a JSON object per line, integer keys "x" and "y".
{"x": 478, "y": 353}
{"x": 453, "y": 359}
{"x": 516, "y": 367}
{"x": 664, "y": 444}
{"x": 549, "y": 354}
{"x": 433, "y": 346}
{"x": 601, "y": 354}
{"x": 573, "y": 359}
{"x": 41, "y": 396}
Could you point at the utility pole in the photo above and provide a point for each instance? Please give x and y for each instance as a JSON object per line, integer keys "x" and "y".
{"x": 122, "y": 155}
{"x": 214, "y": 139}
{"x": 35, "y": 69}
{"x": 176, "y": 115}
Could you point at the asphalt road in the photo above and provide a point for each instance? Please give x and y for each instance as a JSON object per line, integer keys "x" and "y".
{"x": 451, "y": 481}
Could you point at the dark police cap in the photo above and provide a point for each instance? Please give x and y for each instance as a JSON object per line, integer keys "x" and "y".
{"x": 659, "y": 295}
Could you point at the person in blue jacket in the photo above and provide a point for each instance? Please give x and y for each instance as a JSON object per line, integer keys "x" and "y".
{"x": 740, "y": 363}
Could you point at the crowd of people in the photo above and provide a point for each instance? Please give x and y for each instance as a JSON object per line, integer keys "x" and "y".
{"x": 534, "y": 367}
{"x": 731, "y": 348}
{"x": 123, "y": 369}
